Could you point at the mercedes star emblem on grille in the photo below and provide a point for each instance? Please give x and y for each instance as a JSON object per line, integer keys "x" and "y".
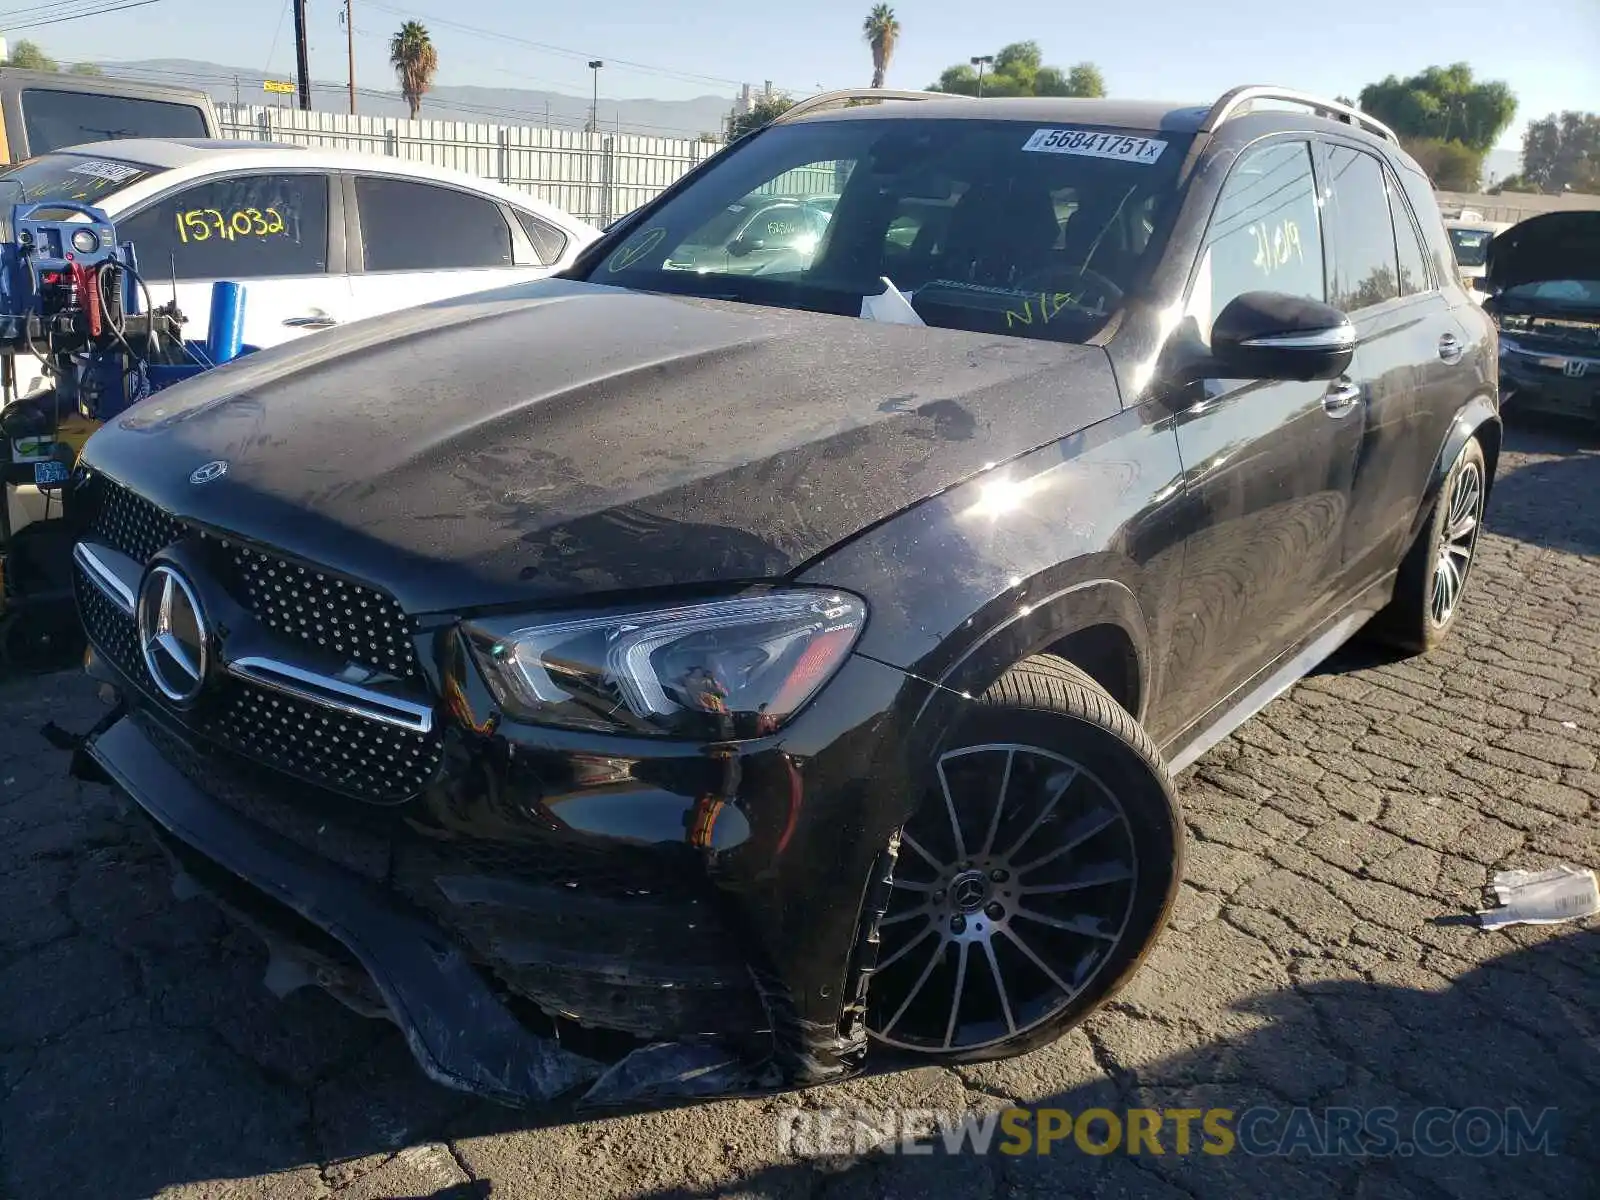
{"x": 173, "y": 639}
{"x": 209, "y": 471}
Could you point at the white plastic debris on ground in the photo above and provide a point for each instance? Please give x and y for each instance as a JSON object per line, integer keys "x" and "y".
{"x": 1541, "y": 897}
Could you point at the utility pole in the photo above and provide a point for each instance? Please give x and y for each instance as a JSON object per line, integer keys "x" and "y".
{"x": 982, "y": 61}
{"x": 594, "y": 106}
{"x": 350, "y": 46}
{"x": 302, "y": 56}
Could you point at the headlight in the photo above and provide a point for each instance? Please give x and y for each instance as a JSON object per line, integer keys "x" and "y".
{"x": 719, "y": 670}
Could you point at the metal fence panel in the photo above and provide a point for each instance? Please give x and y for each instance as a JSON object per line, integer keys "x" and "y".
{"x": 596, "y": 176}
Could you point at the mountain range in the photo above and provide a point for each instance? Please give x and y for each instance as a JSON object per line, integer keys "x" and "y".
{"x": 500, "y": 106}
{"x": 505, "y": 106}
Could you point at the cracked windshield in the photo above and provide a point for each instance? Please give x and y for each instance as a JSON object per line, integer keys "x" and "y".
{"x": 1012, "y": 227}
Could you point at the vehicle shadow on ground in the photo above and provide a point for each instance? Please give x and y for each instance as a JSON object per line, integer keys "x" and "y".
{"x": 1519, "y": 1031}
{"x": 1519, "y": 505}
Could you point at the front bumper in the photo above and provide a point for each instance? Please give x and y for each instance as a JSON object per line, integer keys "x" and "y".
{"x": 459, "y": 1031}
{"x": 1551, "y": 381}
{"x": 732, "y": 930}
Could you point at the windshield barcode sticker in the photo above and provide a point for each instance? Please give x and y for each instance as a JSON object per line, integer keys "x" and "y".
{"x": 100, "y": 168}
{"x": 1095, "y": 144}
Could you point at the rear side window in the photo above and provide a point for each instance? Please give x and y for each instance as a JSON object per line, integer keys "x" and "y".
{"x": 548, "y": 242}
{"x": 248, "y": 227}
{"x": 1365, "y": 267}
{"x": 1413, "y": 261}
{"x": 1434, "y": 240}
{"x": 1265, "y": 234}
{"x": 407, "y": 226}
{"x": 53, "y": 119}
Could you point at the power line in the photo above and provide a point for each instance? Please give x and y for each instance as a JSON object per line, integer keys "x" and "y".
{"x": 562, "y": 51}
{"x": 60, "y": 17}
{"x": 54, "y": 9}
{"x": 276, "y": 34}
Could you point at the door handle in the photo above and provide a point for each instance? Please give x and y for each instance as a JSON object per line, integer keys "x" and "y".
{"x": 1450, "y": 348}
{"x": 1341, "y": 397}
{"x": 319, "y": 321}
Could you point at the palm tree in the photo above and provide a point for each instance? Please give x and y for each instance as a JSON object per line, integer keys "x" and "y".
{"x": 415, "y": 62}
{"x": 881, "y": 31}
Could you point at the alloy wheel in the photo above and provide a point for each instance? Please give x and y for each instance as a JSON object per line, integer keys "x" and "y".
{"x": 1457, "y": 542}
{"x": 1013, "y": 887}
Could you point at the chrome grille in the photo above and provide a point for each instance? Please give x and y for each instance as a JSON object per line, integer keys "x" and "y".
{"x": 318, "y": 744}
{"x": 348, "y": 754}
{"x": 339, "y": 617}
{"x": 133, "y": 525}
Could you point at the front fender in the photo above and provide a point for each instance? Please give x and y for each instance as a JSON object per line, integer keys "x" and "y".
{"x": 1082, "y": 532}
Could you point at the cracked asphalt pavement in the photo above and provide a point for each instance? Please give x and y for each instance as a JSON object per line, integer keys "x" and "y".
{"x": 1318, "y": 957}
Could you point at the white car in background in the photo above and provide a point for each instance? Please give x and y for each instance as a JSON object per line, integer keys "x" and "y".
{"x": 1470, "y": 236}
{"x": 318, "y": 237}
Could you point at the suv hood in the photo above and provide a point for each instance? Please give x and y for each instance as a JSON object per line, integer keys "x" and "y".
{"x": 559, "y": 438}
{"x": 1552, "y": 246}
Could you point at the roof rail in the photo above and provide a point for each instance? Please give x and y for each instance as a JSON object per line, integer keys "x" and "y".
{"x": 828, "y": 99}
{"x": 1240, "y": 98}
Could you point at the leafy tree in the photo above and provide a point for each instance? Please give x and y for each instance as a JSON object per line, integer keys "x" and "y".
{"x": 1084, "y": 79}
{"x": 415, "y": 63}
{"x": 763, "y": 112}
{"x": 1019, "y": 70}
{"x": 1446, "y": 103}
{"x": 85, "y": 68}
{"x": 882, "y": 32}
{"x": 30, "y": 57}
{"x": 1450, "y": 165}
{"x": 1562, "y": 151}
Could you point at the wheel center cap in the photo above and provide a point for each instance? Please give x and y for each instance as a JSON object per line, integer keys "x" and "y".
{"x": 968, "y": 891}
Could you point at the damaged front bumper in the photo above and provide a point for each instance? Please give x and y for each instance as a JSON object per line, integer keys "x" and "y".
{"x": 739, "y": 971}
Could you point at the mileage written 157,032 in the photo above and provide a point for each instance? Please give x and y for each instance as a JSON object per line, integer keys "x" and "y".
{"x": 202, "y": 224}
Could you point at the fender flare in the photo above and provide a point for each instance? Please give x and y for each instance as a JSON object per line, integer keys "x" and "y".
{"x": 1478, "y": 418}
{"x": 1034, "y": 628}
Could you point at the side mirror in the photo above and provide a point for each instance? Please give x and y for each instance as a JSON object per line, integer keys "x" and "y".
{"x": 1268, "y": 335}
{"x": 742, "y": 246}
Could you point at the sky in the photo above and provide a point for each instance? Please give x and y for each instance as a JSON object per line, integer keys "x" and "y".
{"x": 677, "y": 49}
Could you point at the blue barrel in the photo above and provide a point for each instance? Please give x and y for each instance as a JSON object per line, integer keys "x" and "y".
{"x": 225, "y": 334}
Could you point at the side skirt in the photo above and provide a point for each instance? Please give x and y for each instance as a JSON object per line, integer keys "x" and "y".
{"x": 1252, "y": 696}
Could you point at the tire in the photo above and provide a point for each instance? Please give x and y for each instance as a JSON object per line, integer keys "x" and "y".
{"x": 1034, "y": 876}
{"x": 1432, "y": 580}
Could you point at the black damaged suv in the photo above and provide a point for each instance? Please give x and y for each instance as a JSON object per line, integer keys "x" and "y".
{"x": 759, "y": 666}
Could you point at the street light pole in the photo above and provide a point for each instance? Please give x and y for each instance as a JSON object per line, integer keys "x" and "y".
{"x": 594, "y": 106}
{"x": 981, "y": 61}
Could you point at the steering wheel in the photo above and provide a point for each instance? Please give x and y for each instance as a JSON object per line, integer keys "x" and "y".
{"x": 1051, "y": 280}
